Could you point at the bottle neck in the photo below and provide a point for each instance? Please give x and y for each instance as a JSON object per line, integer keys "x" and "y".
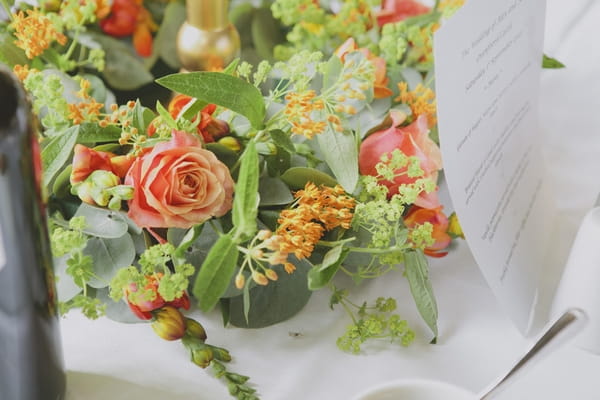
{"x": 208, "y": 15}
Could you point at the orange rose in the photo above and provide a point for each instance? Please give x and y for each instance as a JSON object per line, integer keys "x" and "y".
{"x": 412, "y": 140}
{"x": 381, "y": 80}
{"x": 399, "y": 10}
{"x": 86, "y": 161}
{"x": 178, "y": 184}
{"x": 419, "y": 216}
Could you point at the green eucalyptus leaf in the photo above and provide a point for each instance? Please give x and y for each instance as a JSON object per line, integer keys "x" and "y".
{"x": 246, "y": 199}
{"x": 123, "y": 69}
{"x": 241, "y": 17}
{"x": 66, "y": 288}
{"x": 332, "y": 71}
{"x": 216, "y": 272}
{"x": 273, "y": 192}
{"x": 142, "y": 117}
{"x": 273, "y": 303}
{"x": 109, "y": 255}
{"x": 320, "y": 275}
{"x": 551, "y": 63}
{"x": 340, "y": 151}
{"x": 101, "y": 222}
{"x": 186, "y": 242}
{"x": 420, "y": 287}
{"x": 297, "y": 177}
{"x": 266, "y": 33}
{"x": 57, "y": 152}
{"x": 174, "y": 16}
{"x": 118, "y": 311}
{"x": 224, "y": 90}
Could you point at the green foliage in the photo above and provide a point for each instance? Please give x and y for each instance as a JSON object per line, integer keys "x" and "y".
{"x": 221, "y": 89}
{"x": 246, "y": 199}
{"x": 420, "y": 287}
{"x": 551, "y": 63}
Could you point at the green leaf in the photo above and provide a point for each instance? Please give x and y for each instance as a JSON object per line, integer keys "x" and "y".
{"x": 340, "y": 151}
{"x": 275, "y": 302}
{"x": 245, "y": 201}
{"x": 274, "y": 192}
{"x": 66, "y": 288}
{"x": 142, "y": 117}
{"x": 224, "y": 90}
{"x": 223, "y": 153}
{"x": 420, "y": 287}
{"x": 282, "y": 139}
{"x": 331, "y": 72}
{"x": 319, "y": 276}
{"x": 216, "y": 272}
{"x": 101, "y": 222}
{"x": 123, "y": 69}
{"x": 62, "y": 183}
{"x": 166, "y": 117}
{"x": 186, "y": 242}
{"x": 297, "y": 177}
{"x": 57, "y": 152}
{"x": 551, "y": 63}
{"x": 10, "y": 54}
{"x": 266, "y": 33}
{"x": 167, "y": 34}
{"x": 109, "y": 256}
{"x": 192, "y": 108}
{"x": 93, "y": 133}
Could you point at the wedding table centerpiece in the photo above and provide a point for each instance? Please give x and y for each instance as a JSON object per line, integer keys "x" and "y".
{"x": 312, "y": 157}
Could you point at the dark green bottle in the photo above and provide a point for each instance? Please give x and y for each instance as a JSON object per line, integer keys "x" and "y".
{"x": 31, "y": 363}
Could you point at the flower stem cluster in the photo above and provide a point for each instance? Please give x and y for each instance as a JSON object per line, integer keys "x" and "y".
{"x": 369, "y": 322}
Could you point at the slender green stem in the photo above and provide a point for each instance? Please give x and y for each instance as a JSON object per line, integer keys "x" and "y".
{"x": 6, "y": 7}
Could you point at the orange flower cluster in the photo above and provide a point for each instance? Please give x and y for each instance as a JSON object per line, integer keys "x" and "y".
{"x": 298, "y": 111}
{"x": 421, "y": 101}
{"x": 23, "y": 71}
{"x": 316, "y": 210}
{"x": 86, "y": 110}
{"x": 35, "y": 32}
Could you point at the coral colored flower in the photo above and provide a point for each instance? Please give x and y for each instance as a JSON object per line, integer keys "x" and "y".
{"x": 399, "y": 10}
{"x": 412, "y": 140}
{"x": 178, "y": 184}
{"x": 439, "y": 221}
{"x": 381, "y": 79}
{"x": 129, "y": 17}
{"x": 143, "y": 302}
{"x": 86, "y": 161}
{"x": 210, "y": 128}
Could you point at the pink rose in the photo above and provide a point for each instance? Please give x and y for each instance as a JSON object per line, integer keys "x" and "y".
{"x": 399, "y": 10}
{"x": 178, "y": 184}
{"x": 412, "y": 140}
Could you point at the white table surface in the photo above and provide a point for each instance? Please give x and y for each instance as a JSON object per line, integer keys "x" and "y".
{"x": 109, "y": 360}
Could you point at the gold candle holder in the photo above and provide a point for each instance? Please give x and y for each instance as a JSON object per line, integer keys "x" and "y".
{"x": 207, "y": 41}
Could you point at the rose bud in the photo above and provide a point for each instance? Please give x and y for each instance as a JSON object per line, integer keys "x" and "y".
{"x": 169, "y": 324}
{"x": 195, "y": 329}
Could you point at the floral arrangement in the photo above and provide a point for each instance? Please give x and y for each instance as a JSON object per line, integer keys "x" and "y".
{"x": 249, "y": 183}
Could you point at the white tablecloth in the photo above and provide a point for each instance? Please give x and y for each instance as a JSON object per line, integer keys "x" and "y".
{"x": 108, "y": 360}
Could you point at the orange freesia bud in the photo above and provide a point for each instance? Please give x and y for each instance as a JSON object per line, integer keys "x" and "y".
{"x": 169, "y": 324}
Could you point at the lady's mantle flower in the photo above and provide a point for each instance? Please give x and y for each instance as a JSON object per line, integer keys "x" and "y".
{"x": 35, "y": 32}
{"x": 439, "y": 222}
